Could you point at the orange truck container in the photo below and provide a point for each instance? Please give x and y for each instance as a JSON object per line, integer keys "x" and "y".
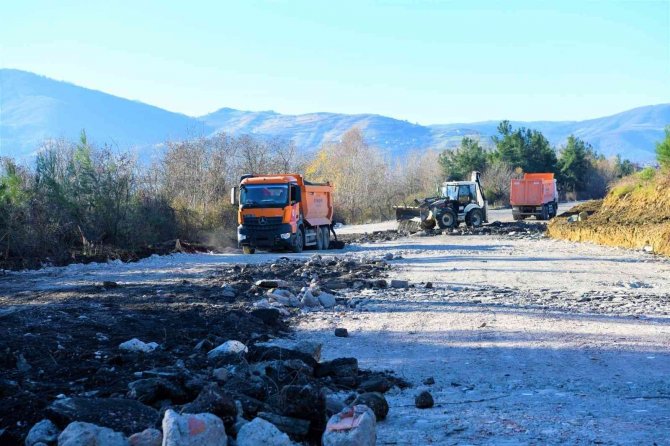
{"x": 283, "y": 211}
{"x": 536, "y": 194}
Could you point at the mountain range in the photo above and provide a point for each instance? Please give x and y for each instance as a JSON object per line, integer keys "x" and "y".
{"x": 34, "y": 108}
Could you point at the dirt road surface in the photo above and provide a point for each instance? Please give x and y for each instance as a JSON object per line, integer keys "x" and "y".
{"x": 529, "y": 340}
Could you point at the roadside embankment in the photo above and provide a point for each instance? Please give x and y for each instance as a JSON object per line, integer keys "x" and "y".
{"x": 634, "y": 214}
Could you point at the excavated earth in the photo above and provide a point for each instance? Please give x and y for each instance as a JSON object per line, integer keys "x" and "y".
{"x": 60, "y": 357}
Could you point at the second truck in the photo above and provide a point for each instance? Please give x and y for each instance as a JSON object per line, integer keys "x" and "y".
{"x": 535, "y": 194}
{"x": 283, "y": 212}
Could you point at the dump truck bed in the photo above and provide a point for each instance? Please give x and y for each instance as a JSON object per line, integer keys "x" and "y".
{"x": 534, "y": 189}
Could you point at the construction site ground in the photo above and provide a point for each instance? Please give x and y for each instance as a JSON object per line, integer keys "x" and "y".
{"x": 529, "y": 340}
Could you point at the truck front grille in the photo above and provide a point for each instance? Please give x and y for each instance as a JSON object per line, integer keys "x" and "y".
{"x": 263, "y": 223}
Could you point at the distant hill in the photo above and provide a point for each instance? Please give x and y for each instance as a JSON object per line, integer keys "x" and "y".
{"x": 34, "y": 108}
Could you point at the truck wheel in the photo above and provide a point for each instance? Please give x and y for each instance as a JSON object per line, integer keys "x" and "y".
{"x": 299, "y": 241}
{"x": 319, "y": 238}
{"x": 446, "y": 219}
{"x": 326, "y": 237}
{"x": 545, "y": 213}
{"x": 517, "y": 217}
{"x": 248, "y": 250}
{"x": 475, "y": 218}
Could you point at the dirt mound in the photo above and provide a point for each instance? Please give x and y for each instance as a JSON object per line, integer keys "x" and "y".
{"x": 635, "y": 214}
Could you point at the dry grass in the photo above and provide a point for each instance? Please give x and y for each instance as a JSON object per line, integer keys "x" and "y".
{"x": 635, "y": 214}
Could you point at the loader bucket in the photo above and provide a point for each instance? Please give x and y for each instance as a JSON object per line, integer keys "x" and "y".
{"x": 406, "y": 213}
{"x": 413, "y": 219}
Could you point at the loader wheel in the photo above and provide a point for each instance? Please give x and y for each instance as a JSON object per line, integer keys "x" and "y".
{"x": 248, "y": 250}
{"x": 299, "y": 242}
{"x": 475, "y": 218}
{"x": 446, "y": 219}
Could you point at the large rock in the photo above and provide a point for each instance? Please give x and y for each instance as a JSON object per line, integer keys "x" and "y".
{"x": 148, "y": 437}
{"x": 259, "y": 353}
{"x": 291, "y": 371}
{"x": 376, "y": 402}
{"x": 43, "y": 432}
{"x": 327, "y": 300}
{"x": 202, "y": 429}
{"x": 344, "y": 371}
{"x": 227, "y": 348}
{"x": 305, "y": 402}
{"x": 375, "y": 384}
{"x": 135, "y": 345}
{"x": 150, "y": 390}
{"x": 424, "y": 400}
{"x": 355, "y": 426}
{"x": 87, "y": 434}
{"x": 295, "y": 427}
{"x": 124, "y": 415}
{"x": 259, "y": 432}
{"x": 269, "y": 316}
{"x": 215, "y": 401}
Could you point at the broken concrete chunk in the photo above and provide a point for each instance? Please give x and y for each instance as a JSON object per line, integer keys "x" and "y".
{"x": 43, "y": 432}
{"x": 78, "y": 434}
{"x": 202, "y": 429}
{"x": 135, "y": 345}
{"x": 259, "y": 432}
{"x": 352, "y": 426}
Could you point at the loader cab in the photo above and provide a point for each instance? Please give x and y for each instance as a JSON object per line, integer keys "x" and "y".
{"x": 460, "y": 194}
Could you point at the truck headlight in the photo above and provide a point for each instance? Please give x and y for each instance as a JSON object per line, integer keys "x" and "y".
{"x": 241, "y": 237}
{"x": 285, "y": 236}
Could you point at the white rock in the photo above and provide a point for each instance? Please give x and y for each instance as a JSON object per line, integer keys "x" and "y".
{"x": 135, "y": 345}
{"x": 259, "y": 432}
{"x": 327, "y": 300}
{"x": 43, "y": 432}
{"x": 87, "y": 434}
{"x": 308, "y": 300}
{"x": 148, "y": 437}
{"x": 227, "y": 348}
{"x": 202, "y": 429}
{"x": 354, "y": 426}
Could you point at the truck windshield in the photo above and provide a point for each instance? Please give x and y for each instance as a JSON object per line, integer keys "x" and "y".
{"x": 264, "y": 195}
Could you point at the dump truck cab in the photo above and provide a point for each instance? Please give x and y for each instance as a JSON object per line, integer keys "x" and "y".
{"x": 282, "y": 212}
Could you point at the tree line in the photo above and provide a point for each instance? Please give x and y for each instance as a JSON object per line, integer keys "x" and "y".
{"x": 78, "y": 199}
{"x": 582, "y": 172}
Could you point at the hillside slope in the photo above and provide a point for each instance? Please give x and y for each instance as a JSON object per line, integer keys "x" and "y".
{"x": 34, "y": 108}
{"x": 635, "y": 214}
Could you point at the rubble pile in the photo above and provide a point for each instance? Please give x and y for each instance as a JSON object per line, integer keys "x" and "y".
{"x": 184, "y": 363}
{"x": 517, "y": 229}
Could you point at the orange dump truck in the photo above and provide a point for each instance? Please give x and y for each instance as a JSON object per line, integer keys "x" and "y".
{"x": 283, "y": 212}
{"x": 536, "y": 194}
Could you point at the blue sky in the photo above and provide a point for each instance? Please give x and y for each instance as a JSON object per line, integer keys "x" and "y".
{"x": 427, "y": 62}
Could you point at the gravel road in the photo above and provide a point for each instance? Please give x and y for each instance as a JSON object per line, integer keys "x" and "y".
{"x": 529, "y": 340}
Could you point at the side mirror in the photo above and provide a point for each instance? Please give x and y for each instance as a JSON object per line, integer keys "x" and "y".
{"x": 233, "y": 196}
